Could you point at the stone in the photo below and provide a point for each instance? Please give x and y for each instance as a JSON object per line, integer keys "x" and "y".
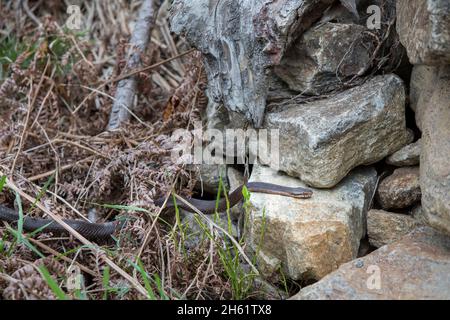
{"x": 424, "y": 30}
{"x": 308, "y": 238}
{"x": 195, "y": 233}
{"x": 435, "y": 158}
{"x": 235, "y": 179}
{"x": 423, "y": 81}
{"x": 324, "y": 56}
{"x": 209, "y": 177}
{"x": 322, "y": 141}
{"x": 414, "y": 268}
{"x": 217, "y": 117}
{"x": 241, "y": 41}
{"x": 406, "y": 156}
{"x": 263, "y": 290}
{"x": 386, "y": 227}
{"x": 417, "y": 214}
{"x": 400, "y": 190}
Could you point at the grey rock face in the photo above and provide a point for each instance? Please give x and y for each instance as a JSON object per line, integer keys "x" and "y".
{"x": 210, "y": 175}
{"x": 309, "y": 238}
{"x": 435, "y": 158}
{"x": 400, "y": 190}
{"x": 416, "y": 267}
{"x": 320, "y": 142}
{"x": 386, "y": 227}
{"x": 406, "y": 156}
{"x": 424, "y": 29}
{"x": 235, "y": 179}
{"x": 423, "y": 82}
{"x": 325, "y": 56}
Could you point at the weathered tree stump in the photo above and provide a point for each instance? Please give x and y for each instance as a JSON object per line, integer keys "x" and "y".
{"x": 240, "y": 41}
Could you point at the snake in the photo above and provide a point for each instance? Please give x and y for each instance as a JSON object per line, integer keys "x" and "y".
{"x": 102, "y": 232}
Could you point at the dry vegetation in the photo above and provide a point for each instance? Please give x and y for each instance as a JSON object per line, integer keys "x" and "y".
{"x": 56, "y": 91}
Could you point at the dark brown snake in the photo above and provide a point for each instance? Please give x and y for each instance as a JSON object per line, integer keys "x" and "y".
{"x": 103, "y": 231}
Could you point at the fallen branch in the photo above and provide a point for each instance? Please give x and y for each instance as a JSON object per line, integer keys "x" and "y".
{"x": 126, "y": 88}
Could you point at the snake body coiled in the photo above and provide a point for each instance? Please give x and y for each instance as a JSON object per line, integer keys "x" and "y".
{"x": 102, "y": 232}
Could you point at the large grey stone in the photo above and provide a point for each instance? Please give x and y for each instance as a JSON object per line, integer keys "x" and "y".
{"x": 320, "y": 142}
{"x": 416, "y": 267}
{"x": 406, "y": 156}
{"x": 236, "y": 179}
{"x": 435, "y": 158}
{"x": 325, "y": 56}
{"x": 424, "y": 29}
{"x": 386, "y": 227}
{"x": 309, "y": 238}
{"x": 423, "y": 81}
{"x": 209, "y": 177}
{"x": 400, "y": 190}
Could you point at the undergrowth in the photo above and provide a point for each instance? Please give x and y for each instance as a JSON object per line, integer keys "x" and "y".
{"x": 56, "y": 91}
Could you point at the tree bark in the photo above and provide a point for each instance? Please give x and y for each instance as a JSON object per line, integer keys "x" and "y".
{"x": 241, "y": 41}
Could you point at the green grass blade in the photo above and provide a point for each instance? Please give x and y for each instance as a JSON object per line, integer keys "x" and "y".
{"x": 59, "y": 293}
{"x": 2, "y": 182}
{"x": 43, "y": 190}
{"x": 105, "y": 280}
{"x": 146, "y": 280}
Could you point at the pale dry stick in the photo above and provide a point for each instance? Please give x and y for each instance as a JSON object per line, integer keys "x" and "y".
{"x": 63, "y": 168}
{"x": 126, "y": 89}
{"x": 57, "y": 159}
{"x": 66, "y": 203}
{"x": 210, "y": 264}
{"x": 84, "y": 183}
{"x": 129, "y": 74}
{"x": 61, "y": 256}
{"x": 147, "y": 235}
{"x": 168, "y": 262}
{"x": 42, "y": 104}
{"x": 83, "y": 240}
{"x": 125, "y": 107}
{"x": 209, "y": 221}
{"x": 76, "y": 144}
{"x": 30, "y": 13}
{"x": 183, "y": 296}
{"x": 27, "y": 119}
{"x": 17, "y": 282}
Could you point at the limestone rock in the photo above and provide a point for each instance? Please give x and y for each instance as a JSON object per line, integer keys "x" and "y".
{"x": 309, "y": 238}
{"x": 424, "y": 29}
{"x": 423, "y": 82}
{"x": 416, "y": 267}
{"x": 325, "y": 56}
{"x": 417, "y": 214}
{"x": 386, "y": 227}
{"x": 235, "y": 179}
{"x": 209, "y": 178}
{"x": 320, "y": 142}
{"x": 406, "y": 156}
{"x": 435, "y": 159}
{"x": 400, "y": 190}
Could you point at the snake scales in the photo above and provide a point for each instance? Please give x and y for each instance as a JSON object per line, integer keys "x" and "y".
{"x": 103, "y": 231}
